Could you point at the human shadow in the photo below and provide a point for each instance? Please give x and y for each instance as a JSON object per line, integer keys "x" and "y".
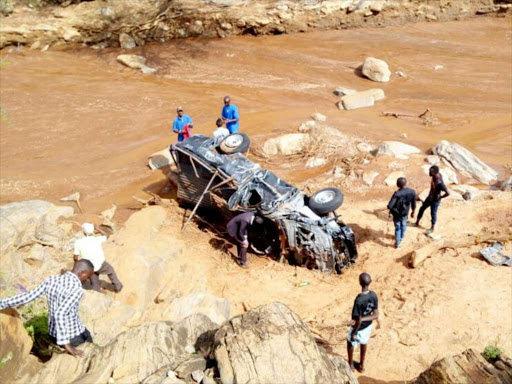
{"x": 368, "y": 234}
{"x": 380, "y": 213}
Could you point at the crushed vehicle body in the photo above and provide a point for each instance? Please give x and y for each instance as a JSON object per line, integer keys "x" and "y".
{"x": 213, "y": 175}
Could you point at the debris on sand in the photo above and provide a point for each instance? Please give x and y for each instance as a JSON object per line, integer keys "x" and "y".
{"x": 73, "y": 197}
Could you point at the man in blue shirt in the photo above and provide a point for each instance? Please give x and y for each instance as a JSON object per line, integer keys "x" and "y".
{"x": 230, "y": 115}
{"x": 181, "y": 123}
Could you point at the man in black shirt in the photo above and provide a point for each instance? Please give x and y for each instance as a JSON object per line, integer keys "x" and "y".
{"x": 434, "y": 197}
{"x": 365, "y": 310}
{"x": 399, "y": 206}
{"x": 238, "y": 228}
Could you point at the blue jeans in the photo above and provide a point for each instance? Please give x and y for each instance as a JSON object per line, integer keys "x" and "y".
{"x": 400, "y": 228}
{"x": 434, "y": 205}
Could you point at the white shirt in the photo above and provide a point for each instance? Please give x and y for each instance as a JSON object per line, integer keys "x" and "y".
{"x": 90, "y": 248}
{"x": 220, "y": 132}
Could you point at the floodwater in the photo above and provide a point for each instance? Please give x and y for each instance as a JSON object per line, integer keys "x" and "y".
{"x": 76, "y": 120}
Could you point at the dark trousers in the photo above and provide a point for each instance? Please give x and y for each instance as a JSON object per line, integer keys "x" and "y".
{"x": 84, "y": 337}
{"x": 242, "y": 252}
{"x": 434, "y": 205}
{"x": 106, "y": 269}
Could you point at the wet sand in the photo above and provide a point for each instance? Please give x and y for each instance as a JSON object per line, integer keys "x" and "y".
{"x": 76, "y": 120}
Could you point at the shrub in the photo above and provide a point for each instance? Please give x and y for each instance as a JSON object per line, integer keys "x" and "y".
{"x": 492, "y": 352}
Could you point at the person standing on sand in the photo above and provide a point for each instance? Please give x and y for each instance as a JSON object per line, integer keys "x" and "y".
{"x": 90, "y": 248}
{"x": 398, "y": 206}
{"x": 230, "y": 115}
{"x": 433, "y": 200}
{"x": 365, "y": 310}
{"x": 63, "y": 293}
{"x": 238, "y": 228}
{"x": 182, "y": 125}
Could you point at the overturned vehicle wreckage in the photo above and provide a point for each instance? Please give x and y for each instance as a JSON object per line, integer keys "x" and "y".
{"x": 215, "y": 175}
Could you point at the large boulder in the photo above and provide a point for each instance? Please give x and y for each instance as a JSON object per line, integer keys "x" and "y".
{"x": 105, "y": 317}
{"x": 465, "y": 162}
{"x": 467, "y": 368}
{"x": 217, "y": 309}
{"x": 376, "y": 70}
{"x": 136, "y": 62}
{"x": 19, "y": 221}
{"x": 15, "y": 345}
{"x": 133, "y": 356}
{"x": 396, "y": 149}
{"x": 288, "y": 144}
{"x": 160, "y": 159}
{"x": 271, "y": 344}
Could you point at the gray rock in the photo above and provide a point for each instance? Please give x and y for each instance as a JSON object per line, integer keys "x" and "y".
{"x": 315, "y": 162}
{"x": 126, "y": 41}
{"x": 396, "y": 149}
{"x": 198, "y": 376}
{"x": 160, "y": 159}
{"x": 137, "y": 62}
{"x": 433, "y": 159}
{"x": 194, "y": 363}
{"x": 357, "y": 100}
{"x": 288, "y": 144}
{"x": 369, "y": 177}
{"x": 392, "y": 178}
{"x": 319, "y": 117}
{"x": 506, "y": 184}
{"x": 209, "y": 377}
{"x": 342, "y": 91}
{"x": 376, "y": 70}
{"x": 271, "y": 344}
{"x": 365, "y": 147}
{"x": 465, "y": 162}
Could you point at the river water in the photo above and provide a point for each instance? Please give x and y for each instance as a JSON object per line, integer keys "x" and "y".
{"x": 75, "y": 119}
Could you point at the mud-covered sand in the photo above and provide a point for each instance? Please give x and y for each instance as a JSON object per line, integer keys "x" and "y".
{"x": 76, "y": 120}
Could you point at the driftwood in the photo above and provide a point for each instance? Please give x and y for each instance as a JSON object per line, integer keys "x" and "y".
{"x": 423, "y": 253}
{"x": 427, "y": 116}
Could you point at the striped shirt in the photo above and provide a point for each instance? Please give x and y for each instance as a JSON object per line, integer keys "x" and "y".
{"x": 63, "y": 293}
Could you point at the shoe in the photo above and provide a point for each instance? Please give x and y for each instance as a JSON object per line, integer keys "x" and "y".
{"x": 397, "y": 246}
{"x": 429, "y": 231}
{"x": 243, "y": 265}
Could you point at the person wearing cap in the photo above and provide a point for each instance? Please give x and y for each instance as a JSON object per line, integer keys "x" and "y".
{"x": 230, "y": 116}
{"x": 182, "y": 125}
{"x": 90, "y": 248}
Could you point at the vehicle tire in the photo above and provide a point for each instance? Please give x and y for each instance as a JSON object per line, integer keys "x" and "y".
{"x": 326, "y": 200}
{"x": 235, "y": 143}
{"x": 342, "y": 260}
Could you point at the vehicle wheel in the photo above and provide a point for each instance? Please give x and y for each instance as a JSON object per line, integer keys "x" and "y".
{"x": 235, "y": 143}
{"x": 326, "y": 200}
{"x": 342, "y": 260}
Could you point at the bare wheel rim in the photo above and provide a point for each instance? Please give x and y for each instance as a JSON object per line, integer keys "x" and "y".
{"x": 324, "y": 197}
{"x": 233, "y": 141}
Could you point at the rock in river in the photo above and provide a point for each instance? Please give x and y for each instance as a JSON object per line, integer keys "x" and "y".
{"x": 376, "y": 70}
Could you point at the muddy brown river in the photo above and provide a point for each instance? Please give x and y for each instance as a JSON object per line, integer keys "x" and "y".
{"x": 77, "y": 120}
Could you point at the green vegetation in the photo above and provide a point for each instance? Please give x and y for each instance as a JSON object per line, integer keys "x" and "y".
{"x": 493, "y": 351}
{"x": 5, "y": 359}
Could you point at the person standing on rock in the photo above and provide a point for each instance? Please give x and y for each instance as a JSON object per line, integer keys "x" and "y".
{"x": 63, "y": 293}
{"x": 90, "y": 248}
{"x": 399, "y": 205}
{"x": 365, "y": 310}
{"x": 230, "y": 116}
{"x": 437, "y": 187}
{"x": 182, "y": 125}
{"x": 238, "y": 228}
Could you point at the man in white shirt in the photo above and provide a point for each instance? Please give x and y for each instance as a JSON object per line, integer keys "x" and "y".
{"x": 90, "y": 248}
{"x": 221, "y": 131}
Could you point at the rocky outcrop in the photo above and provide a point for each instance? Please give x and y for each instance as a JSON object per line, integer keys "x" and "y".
{"x": 133, "y": 356}
{"x": 21, "y": 223}
{"x": 15, "y": 345}
{"x": 118, "y": 22}
{"x": 376, "y": 70}
{"x": 467, "y": 368}
{"x": 271, "y": 344}
{"x": 465, "y": 162}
